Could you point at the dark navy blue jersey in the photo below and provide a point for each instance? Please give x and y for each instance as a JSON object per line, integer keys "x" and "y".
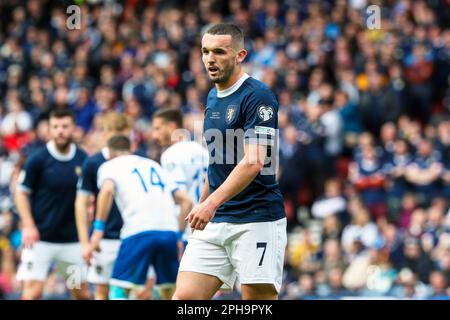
{"x": 244, "y": 113}
{"x": 51, "y": 181}
{"x": 88, "y": 184}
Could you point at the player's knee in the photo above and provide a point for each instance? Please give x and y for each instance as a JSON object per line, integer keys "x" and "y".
{"x": 31, "y": 295}
{"x": 32, "y": 291}
{"x": 81, "y": 293}
{"x": 184, "y": 294}
{"x": 259, "y": 292}
{"x": 101, "y": 292}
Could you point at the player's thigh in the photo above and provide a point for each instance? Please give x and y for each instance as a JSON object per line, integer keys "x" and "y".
{"x": 189, "y": 284}
{"x": 205, "y": 254}
{"x": 258, "y": 254}
{"x": 35, "y": 262}
{"x": 100, "y": 270}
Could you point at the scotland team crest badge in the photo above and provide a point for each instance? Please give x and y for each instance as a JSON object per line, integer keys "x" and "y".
{"x": 230, "y": 113}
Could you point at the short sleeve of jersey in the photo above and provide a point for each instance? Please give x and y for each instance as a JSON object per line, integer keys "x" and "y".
{"x": 261, "y": 119}
{"x": 174, "y": 171}
{"x": 87, "y": 180}
{"x": 105, "y": 172}
{"x": 29, "y": 176}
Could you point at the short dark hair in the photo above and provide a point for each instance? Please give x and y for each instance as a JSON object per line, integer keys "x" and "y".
{"x": 170, "y": 115}
{"x": 119, "y": 143}
{"x": 62, "y": 113}
{"x": 231, "y": 29}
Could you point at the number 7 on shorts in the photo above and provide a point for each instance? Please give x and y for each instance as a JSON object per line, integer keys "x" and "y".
{"x": 261, "y": 245}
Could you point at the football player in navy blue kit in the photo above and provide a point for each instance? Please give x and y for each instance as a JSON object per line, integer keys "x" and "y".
{"x": 45, "y": 199}
{"x": 100, "y": 268}
{"x": 240, "y": 224}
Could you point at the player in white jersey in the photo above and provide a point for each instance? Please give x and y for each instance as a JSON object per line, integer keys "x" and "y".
{"x": 100, "y": 266}
{"x": 185, "y": 161}
{"x": 145, "y": 196}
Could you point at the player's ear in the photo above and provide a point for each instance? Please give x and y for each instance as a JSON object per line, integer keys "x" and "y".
{"x": 172, "y": 126}
{"x": 241, "y": 55}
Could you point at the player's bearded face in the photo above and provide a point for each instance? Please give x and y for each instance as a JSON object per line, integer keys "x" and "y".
{"x": 61, "y": 131}
{"x": 161, "y": 133}
{"x": 223, "y": 72}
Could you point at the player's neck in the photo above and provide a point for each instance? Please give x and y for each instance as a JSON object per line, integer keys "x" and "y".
{"x": 63, "y": 149}
{"x": 231, "y": 81}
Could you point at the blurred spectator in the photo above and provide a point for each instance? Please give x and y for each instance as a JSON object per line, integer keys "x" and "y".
{"x": 424, "y": 172}
{"x": 438, "y": 284}
{"x": 367, "y": 174}
{"x": 361, "y": 233}
{"x": 84, "y": 108}
{"x": 377, "y": 105}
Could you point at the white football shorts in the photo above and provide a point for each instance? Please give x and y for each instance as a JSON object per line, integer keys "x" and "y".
{"x": 102, "y": 262}
{"x": 252, "y": 252}
{"x": 36, "y": 261}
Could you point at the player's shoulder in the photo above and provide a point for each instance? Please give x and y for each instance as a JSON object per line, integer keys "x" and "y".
{"x": 212, "y": 93}
{"x": 39, "y": 155}
{"x": 257, "y": 91}
{"x": 79, "y": 152}
{"x": 183, "y": 148}
{"x": 127, "y": 161}
{"x": 255, "y": 84}
{"x": 182, "y": 151}
{"x": 94, "y": 161}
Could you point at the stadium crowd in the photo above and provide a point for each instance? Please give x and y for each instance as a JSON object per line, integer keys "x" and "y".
{"x": 364, "y": 121}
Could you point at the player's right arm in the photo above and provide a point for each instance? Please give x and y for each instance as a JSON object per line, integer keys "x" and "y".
{"x": 27, "y": 182}
{"x": 84, "y": 193}
{"x": 30, "y": 233}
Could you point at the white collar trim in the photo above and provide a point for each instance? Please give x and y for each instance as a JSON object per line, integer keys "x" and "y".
{"x": 51, "y": 147}
{"x": 233, "y": 88}
{"x": 105, "y": 152}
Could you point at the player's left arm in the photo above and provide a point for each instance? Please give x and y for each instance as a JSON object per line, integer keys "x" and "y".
{"x": 104, "y": 203}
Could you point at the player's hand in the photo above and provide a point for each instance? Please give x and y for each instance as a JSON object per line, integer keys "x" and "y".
{"x": 30, "y": 235}
{"x": 96, "y": 237}
{"x": 200, "y": 215}
{"x": 86, "y": 253}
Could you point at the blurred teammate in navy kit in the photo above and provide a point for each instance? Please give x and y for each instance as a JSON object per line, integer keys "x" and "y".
{"x": 45, "y": 200}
